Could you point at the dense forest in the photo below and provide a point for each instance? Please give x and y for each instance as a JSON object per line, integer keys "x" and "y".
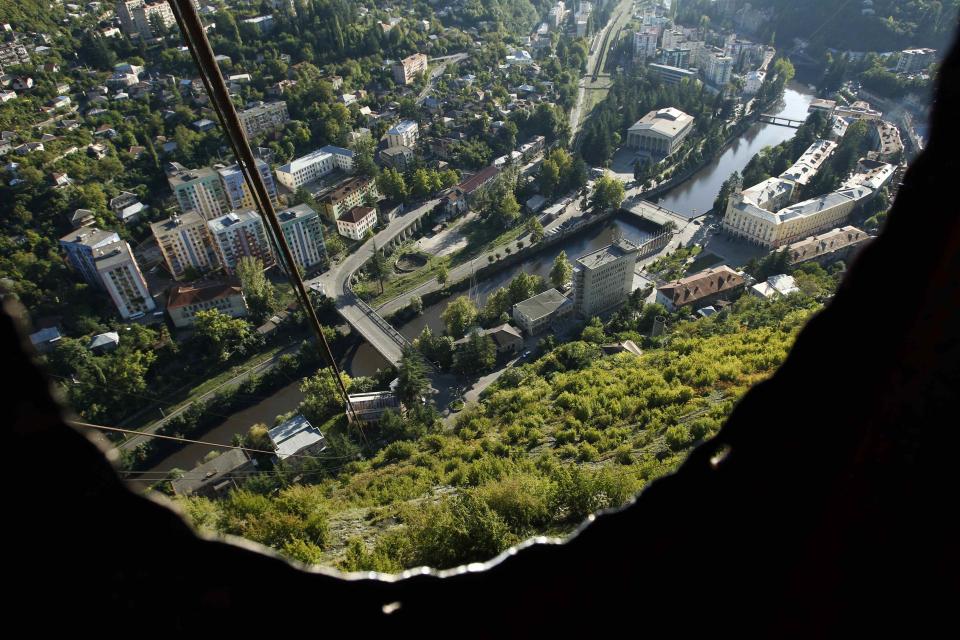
{"x": 552, "y": 441}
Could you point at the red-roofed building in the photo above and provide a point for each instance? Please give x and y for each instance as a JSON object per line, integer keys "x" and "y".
{"x": 701, "y": 289}
{"x": 183, "y": 302}
{"x": 459, "y": 199}
{"x": 356, "y": 222}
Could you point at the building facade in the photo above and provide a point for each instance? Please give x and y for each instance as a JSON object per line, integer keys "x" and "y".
{"x": 199, "y": 190}
{"x": 184, "y": 302}
{"x": 406, "y": 70}
{"x": 603, "y": 279}
{"x": 303, "y": 231}
{"x": 123, "y": 280}
{"x": 80, "y": 246}
{"x": 660, "y": 132}
{"x": 403, "y": 134}
{"x": 185, "y": 243}
{"x": 535, "y": 314}
{"x": 235, "y": 187}
{"x": 138, "y": 19}
{"x": 264, "y": 117}
{"x": 240, "y": 234}
{"x": 347, "y": 195}
{"x": 701, "y": 289}
{"x": 355, "y": 223}
{"x": 314, "y": 166}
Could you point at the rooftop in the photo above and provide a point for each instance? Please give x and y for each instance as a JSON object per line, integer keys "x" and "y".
{"x": 702, "y": 284}
{"x": 233, "y": 218}
{"x": 478, "y": 179}
{"x": 296, "y": 212}
{"x": 606, "y": 255}
{"x": 832, "y": 240}
{"x": 356, "y": 214}
{"x": 542, "y": 304}
{"x": 91, "y": 237}
{"x": 184, "y": 219}
{"x": 305, "y": 161}
{"x": 183, "y": 295}
{"x": 209, "y": 471}
{"x": 669, "y": 122}
{"x": 346, "y": 188}
{"x": 294, "y": 435}
{"x": 402, "y": 127}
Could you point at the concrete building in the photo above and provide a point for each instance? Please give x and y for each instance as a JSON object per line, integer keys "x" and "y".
{"x": 672, "y": 75}
{"x": 184, "y": 301}
{"x": 701, "y": 289}
{"x": 886, "y": 136}
{"x": 198, "y": 190}
{"x": 215, "y": 478}
{"x": 403, "y": 133}
{"x": 535, "y": 314}
{"x": 185, "y": 243}
{"x": 753, "y": 80}
{"x": 603, "y": 279}
{"x": 263, "y": 24}
{"x": 235, "y": 187}
{"x": 398, "y": 157}
{"x": 80, "y": 246}
{"x": 342, "y": 157}
{"x": 354, "y": 223}
{"x": 12, "y": 54}
{"x": 914, "y": 60}
{"x": 660, "y": 132}
{"x": 239, "y": 234}
{"x": 717, "y": 69}
{"x": 138, "y": 19}
{"x": 296, "y": 437}
{"x": 347, "y": 195}
{"x": 406, "y": 70}
{"x": 645, "y": 43}
{"x": 303, "y": 231}
{"x": 264, "y": 117}
{"x": 122, "y": 279}
{"x": 370, "y": 407}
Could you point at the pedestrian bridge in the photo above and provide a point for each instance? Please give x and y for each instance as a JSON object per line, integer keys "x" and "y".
{"x": 652, "y": 212}
{"x": 769, "y": 118}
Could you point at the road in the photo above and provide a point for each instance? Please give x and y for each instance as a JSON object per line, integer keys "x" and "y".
{"x": 335, "y": 284}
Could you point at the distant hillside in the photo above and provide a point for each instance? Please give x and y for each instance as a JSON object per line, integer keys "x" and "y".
{"x": 894, "y": 24}
{"x": 30, "y": 15}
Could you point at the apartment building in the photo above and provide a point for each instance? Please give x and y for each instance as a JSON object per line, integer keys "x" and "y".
{"x": 603, "y": 279}
{"x": 701, "y": 289}
{"x": 184, "y": 301}
{"x": 122, "y": 279}
{"x": 347, "y": 195}
{"x": 356, "y": 222}
{"x": 645, "y": 43}
{"x": 717, "y": 69}
{"x": 264, "y": 117}
{"x": 198, "y": 190}
{"x": 672, "y": 75}
{"x": 13, "y": 53}
{"x": 914, "y": 60}
{"x": 828, "y": 247}
{"x": 660, "y": 132}
{"x": 303, "y": 231}
{"x": 406, "y": 70}
{"x": 186, "y": 244}
{"x": 240, "y": 234}
{"x": 314, "y": 166}
{"x": 139, "y": 19}
{"x": 403, "y": 134}
{"x": 235, "y": 187}
{"x": 80, "y": 246}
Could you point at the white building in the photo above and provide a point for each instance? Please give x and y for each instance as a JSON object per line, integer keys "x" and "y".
{"x": 602, "y": 279}
{"x": 775, "y": 286}
{"x": 314, "y": 166}
{"x": 121, "y": 277}
{"x": 645, "y": 43}
{"x": 296, "y": 437}
{"x": 407, "y": 69}
{"x": 140, "y": 19}
{"x": 185, "y": 301}
{"x": 304, "y": 234}
{"x": 404, "y": 133}
{"x": 239, "y": 234}
{"x": 355, "y": 222}
{"x": 752, "y": 81}
{"x": 717, "y": 69}
{"x": 660, "y": 132}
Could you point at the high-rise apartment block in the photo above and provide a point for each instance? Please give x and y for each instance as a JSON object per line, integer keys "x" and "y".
{"x": 141, "y": 19}
{"x": 406, "y": 70}
{"x": 185, "y": 243}
{"x": 236, "y": 190}
{"x": 403, "y": 134}
{"x": 264, "y": 117}
{"x": 79, "y": 245}
{"x": 198, "y": 190}
{"x": 123, "y": 280}
{"x": 304, "y": 234}
{"x": 240, "y": 234}
{"x": 602, "y": 279}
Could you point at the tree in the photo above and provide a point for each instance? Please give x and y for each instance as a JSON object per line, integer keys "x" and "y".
{"x": 506, "y": 210}
{"x": 416, "y": 305}
{"x": 608, "y": 193}
{"x": 378, "y": 266}
{"x": 442, "y": 274}
{"x": 477, "y": 355}
{"x": 549, "y": 178}
{"x": 391, "y": 184}
{"x": 261, "y": 295}
{"x": 535, "y": 229}
{"x": 436, "y": 349}
{"x": 219, "y": 335}
{"x": 726, "y": 189}
{"x": 321, "y": 396}
{"x": 459, "y": 316}
{"x": 561, "y": 272}
{"x": 412, "y": 382}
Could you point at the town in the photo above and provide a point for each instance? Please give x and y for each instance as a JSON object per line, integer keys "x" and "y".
{"x": 486, "y": 202}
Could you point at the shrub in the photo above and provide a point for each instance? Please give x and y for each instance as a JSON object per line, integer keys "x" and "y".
{"x": 678, "y": 437}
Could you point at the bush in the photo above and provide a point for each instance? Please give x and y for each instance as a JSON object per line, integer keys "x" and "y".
{"x": 678, "y": 437}
{"x": 521, "y": 500}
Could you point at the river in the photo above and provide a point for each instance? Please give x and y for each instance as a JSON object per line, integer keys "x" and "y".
{"x": 693, "y": 197}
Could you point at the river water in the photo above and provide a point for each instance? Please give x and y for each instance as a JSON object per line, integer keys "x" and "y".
{"x": 693, "y": 197}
